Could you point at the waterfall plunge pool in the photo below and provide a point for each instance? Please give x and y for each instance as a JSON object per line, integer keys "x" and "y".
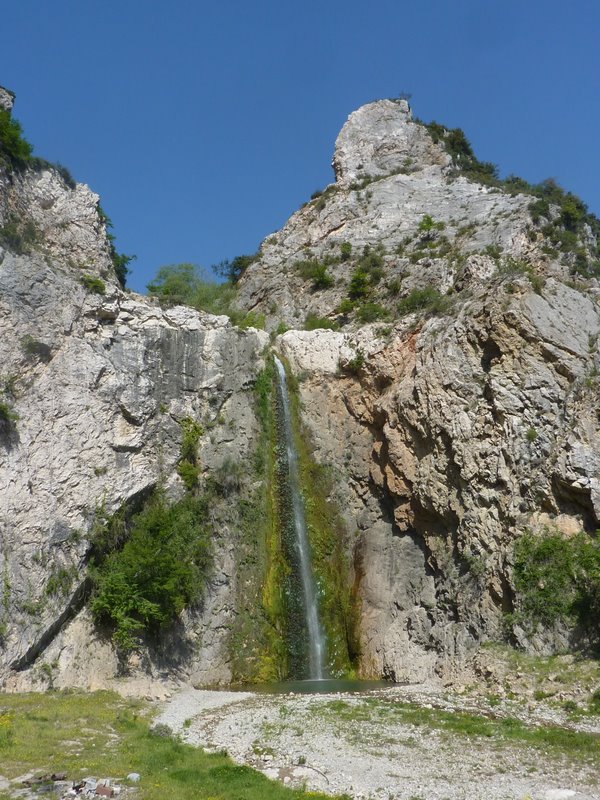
{"x": 321, "y": 686}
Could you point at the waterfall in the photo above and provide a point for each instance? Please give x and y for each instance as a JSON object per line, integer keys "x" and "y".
{"x": 315, "y": 646}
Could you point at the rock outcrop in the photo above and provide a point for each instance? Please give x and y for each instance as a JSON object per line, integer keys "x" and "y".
{"x": 453, "y": 427}
{"x": 96, "y": 383}
{"x": 390, "y": 176}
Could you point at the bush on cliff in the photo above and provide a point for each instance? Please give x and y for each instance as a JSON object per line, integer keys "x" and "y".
{"x": 188, "y": 284}
{"x": 14, "y": 148}
{"x": 558, "y": 580}
{"x": 141, "y": 585}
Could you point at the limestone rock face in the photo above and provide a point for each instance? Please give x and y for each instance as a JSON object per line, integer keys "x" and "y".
{"x": 391, "y": 176}
{"x": 378, "y": 139}
{"x": 439, "y": 468}
{"x": 452, "y": 428}
{"x": 97, "y": 386}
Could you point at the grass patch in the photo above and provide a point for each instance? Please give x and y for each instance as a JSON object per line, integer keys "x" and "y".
{"x": 102, "y": 734}
{"x": 502, "y": 730}
{"x": 93, "y": 284}
{"x": 314, "y": 323}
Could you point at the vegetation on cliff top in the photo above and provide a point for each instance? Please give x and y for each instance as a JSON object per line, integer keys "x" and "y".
{"x": 565, "y": 218}
{"x": 15, "y": 150}
{"x": 188, "y": 284}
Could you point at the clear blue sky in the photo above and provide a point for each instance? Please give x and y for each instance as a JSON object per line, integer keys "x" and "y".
{"x": 204, "y": 125}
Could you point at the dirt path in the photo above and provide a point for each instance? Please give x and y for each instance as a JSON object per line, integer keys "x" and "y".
{"x": 376, "y": 746}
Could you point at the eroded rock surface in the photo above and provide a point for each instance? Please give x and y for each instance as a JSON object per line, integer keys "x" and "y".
{"x": 450, "y": 440}
{"x": 98, "y": 384}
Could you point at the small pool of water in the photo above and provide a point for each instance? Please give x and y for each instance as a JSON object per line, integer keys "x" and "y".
{"x": 323, "y": 686}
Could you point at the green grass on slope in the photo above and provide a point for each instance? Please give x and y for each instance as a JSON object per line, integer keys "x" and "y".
{"x": 502, "y": 730}
{"x": 103, "y": 735}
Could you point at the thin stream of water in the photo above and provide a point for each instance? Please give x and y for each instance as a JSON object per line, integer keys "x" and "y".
{"x": 316, "y": 643}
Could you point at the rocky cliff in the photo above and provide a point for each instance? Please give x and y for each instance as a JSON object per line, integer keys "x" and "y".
{"x": 448, "y": 381}
{"x": 96, "y": 385}
{"x": 456, "y": 398}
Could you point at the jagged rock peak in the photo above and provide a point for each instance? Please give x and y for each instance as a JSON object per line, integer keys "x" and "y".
{"x": 381, "y": 138}
{"x": 7, "y": 99}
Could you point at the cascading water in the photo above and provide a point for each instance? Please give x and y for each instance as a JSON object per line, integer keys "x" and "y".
{"x": 312, "y": 651}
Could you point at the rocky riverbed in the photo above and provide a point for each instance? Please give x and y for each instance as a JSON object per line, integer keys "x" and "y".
{"x": 398, "y": 743}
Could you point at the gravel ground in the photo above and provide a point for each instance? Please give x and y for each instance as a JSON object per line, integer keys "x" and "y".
{"x": 360, "y": 745}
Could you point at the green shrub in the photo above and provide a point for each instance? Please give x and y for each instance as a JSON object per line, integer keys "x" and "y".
{"x": 120, "y": 261}
{"x": 93, "y": 284}
{"x": 371, "y": 264}
{"x": 322, "y": 196}
{"x": 428, "y": 224}
{"x": 345, "y": 251}
{"x": 36, "y": 350}
{"x": 359, "y": 284}
{"x": 228, "y": 478}
{"x": 251, "y": 319}
{"x": 188, "y": 473}
{"x": 426, "y": 299}
{"x": 161, "y": 568}
{"x": 7, "y": 415}
{"x": 60, "y": 582}
{"x": 370, "y": 312}
{"x": 531, "y": 435}
{"x": 512, "y": 267}
{"x": 232, "y": 270}
{"x": 14, "y": 148}
{"x": 355, "y": 364}
{"x": 19, "y": 236}
{"x": 346, "y": 306}
{"x": 192, "y": 431}
{"x": 394, "y": 287}
{"x": 313, "y": 323}
{"x": 315, "y": 271}
{"x": 493, "y": 251}
{"x": 176, "y": 283}
{"x": 280, "y": 329}
{"x": 558, "y": 579}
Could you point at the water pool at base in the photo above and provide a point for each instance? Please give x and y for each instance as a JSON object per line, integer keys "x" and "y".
{"x": 322, "y": 686}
